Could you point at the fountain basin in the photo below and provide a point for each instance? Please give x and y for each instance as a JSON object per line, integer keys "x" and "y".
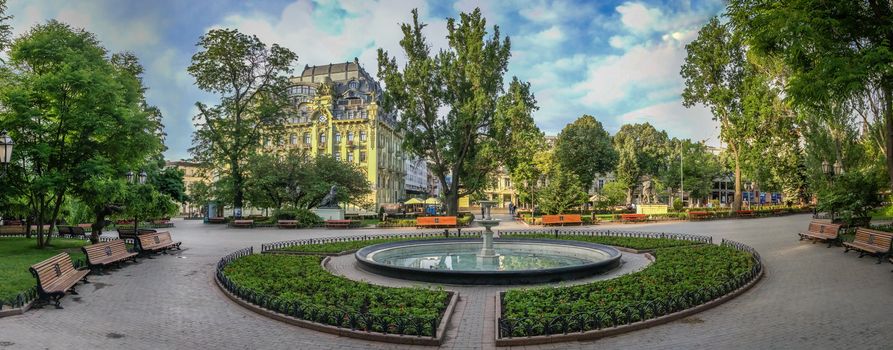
{"x": 516, "y": 261}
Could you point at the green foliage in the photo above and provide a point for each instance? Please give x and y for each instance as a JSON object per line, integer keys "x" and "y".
{"x": 677, "y": 204}
{"x": 562, "y": 193}
{"x": 76, "y": 212}
{"x": 144, "y": 202}
{"x": 299, "y": 180}
{"x": 628, "y": 171}
{"x": 74, "y": 113}
{"x": 251, "y": 80}
{"x": 584, "y": 148}
{"x": 674, "y": 272}
{"x": 698, "y": 171}
{"x": 301, "y": 279}
{"x": 305, "y": 217}
{"x": 612, "y": 194}
{"x": 466, "y": 79}
{"x": 853, "y": 195}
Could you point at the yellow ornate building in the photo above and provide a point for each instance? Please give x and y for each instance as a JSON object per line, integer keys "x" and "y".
{"x": 338, "y": 114}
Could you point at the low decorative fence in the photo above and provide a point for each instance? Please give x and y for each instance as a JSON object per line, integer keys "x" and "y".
{"x": 607, "y": 318}
{"x": 609, "y": 233}
{"x": 26, "y": 297}
{"x": 330, "y": 316}
{"x": 446, "y": 233}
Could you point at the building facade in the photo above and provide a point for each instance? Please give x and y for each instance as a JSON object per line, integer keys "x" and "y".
{"x": 337, "y": 113}
{"x": 416, "y": 178}
{"x": 191, "y": 175}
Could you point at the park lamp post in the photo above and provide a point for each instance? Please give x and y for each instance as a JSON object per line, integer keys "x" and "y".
{"x": 6, "y": 145}
{"x": 832, "y": 172}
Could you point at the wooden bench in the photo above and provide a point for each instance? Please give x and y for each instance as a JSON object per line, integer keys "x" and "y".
{"x": 633, "y": 217}
{"x": 562, "y": 219}
{"x": 339, "y": 223}
{"x": 822, "y": 231}
{"x": 217, "y": 220}
{"x": 56, "y": 276}
{"x": 287, "y": 223}
{"x": 698, "y": 215}
{"x": 779, "y": 211}
{"x": 242, "y": 223}
{"x": 157, "y": 242}
{"x": 872, "y": 242}
{"x": 436, "y": 221}
{"x": 744, "y": 213}
{"x": 71, "y": 231}
{"x": 107, "y": 253}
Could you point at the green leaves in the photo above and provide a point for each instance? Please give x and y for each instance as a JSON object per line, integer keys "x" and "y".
{"x": 584, "y": 148}
{"x": 562, "y": 193}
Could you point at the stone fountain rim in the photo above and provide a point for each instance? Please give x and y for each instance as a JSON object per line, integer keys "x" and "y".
{"x": 499, "y": 277}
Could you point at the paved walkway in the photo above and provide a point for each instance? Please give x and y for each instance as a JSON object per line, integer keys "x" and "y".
{"x": 811, "y": 298}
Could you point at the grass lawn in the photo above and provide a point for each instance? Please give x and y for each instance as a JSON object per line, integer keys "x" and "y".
{"x": 18, "y": 254}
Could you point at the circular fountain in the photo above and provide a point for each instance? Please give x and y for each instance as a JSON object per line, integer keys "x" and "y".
{"x": 488, "y": 261}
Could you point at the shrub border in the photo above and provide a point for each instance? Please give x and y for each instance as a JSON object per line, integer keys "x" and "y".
{"x": 232, "y": 292}
{"x": 758, "y": 272}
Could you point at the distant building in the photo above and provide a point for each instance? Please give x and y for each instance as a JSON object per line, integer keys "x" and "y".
{"x": 191, "y": 174}
{"x": 338, "y": 114}
{"x": 416, "y": 185}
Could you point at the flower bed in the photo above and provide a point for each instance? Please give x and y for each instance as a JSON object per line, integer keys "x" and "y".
{"x": 637, "y": 243}
{"x": 681, "y": 277}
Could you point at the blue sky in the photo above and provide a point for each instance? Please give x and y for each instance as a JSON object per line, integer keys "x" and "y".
{"x": 616, "y": 60}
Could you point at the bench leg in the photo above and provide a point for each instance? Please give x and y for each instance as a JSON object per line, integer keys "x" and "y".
{"x": 56, "y": 301}
{"x": 846, "y": 249}
{"x": 880, "y": 258}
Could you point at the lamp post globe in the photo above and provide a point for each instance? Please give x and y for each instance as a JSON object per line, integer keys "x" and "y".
{"x": 6, "y": 145}
{"x": 826, "y": 167}
{"x": 838, "y": 168}
{"x": 143, "y": 177}
{"x": 130, "y": 177}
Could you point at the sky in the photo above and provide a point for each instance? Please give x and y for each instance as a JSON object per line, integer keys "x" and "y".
{"x": 616, "y": 60}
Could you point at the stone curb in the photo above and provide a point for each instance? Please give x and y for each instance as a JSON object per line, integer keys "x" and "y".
{"x": 18, "y": 311}
{"x": 346, "y": 332}
{"x": 601, "y": 333}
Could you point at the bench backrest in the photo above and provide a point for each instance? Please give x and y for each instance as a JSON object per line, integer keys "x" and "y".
{"x": 154, "y": 239}
{"x": 105, "y": 249}
{"x": 243, "y": 222}
{"x": 698, "y": 213}
{"x": 52, "y": 269}
{"x": 824, "y": 227}
{"x": 632, "y": 216}
{"x": 876, "y": 238}
{"x": 548, "y": 219}
{"x": 436, "y": 220}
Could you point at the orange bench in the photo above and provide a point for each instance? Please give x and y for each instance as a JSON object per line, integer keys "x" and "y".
{"x": 633, "y": 217}
{"x": 216, "y": 220}
{"x": 872, "y": 242}
{"x": 743, "y": 213}
{"x": 562, "y": 219}
{"x": 697, "y": 215}
{"x": 242, "y": 223}
{"x": 436, "y": 221}
{"x": 339, "y": 223}
{"x": 287, "y": 223}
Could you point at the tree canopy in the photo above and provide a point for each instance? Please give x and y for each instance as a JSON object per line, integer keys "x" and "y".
{"x": 584, "y": 148}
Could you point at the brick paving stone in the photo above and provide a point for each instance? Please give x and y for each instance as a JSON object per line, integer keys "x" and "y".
{"x": 812, "y": 297}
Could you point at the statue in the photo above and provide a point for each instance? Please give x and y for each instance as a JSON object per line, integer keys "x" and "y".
{"x": 647, "y": 196}
{"x": 330, "y": 201}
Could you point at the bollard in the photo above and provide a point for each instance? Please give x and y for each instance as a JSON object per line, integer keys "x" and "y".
{"x": 446, "y": 233}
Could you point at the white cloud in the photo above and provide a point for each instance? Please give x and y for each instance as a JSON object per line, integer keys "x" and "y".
{"x": 549, "y": 37}
{"x": 638, "y": 17}
{"x": 612, "y": 79}
{"x": 622, "y": 41}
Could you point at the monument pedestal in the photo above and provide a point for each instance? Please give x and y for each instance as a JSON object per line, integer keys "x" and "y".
{"x": 329, "y": 213}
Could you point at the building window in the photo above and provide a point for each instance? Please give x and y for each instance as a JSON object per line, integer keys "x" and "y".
{"x": 601, "y": 183}
{"x": 350, "y": 157}
{"x": 306, "y": 138}
{"x": 293, "y": 139}
{"x": 337, "y": 155}
{"x": 362, "y": 136}
{"x": 508, "y": 183}
{"x": 362, "y": 156}
{"x": 350, "y": 136}
{"x": 337, "y": 137}
{"x": 322, "y": 138}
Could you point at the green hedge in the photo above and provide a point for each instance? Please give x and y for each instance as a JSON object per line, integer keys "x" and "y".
{"x": 675, "y": 271}
{"x": 301, "y": 279}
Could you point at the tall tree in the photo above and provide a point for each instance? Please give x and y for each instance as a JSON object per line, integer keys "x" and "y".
{"x": 251, "y": 81}
{"x": 715, "y": 69}
{"x": 837, "y": 51}
{"x": 66, "y": 105}
{"x": 563, "y": 193}
{"x": 518, "y": 139}
{"x": 5, "y": 28}
{"x": 466, "y": 79}
{"x": 690, "y": 166}
{"x": 628, "y": 171}
{"x": 584, "y": 148}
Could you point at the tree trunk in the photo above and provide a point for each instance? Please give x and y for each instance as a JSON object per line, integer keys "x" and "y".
{"x": 238, "y": 196}
{"x": 888, "y": 128}
{"x": 56, "y": 208}
{"x": 452, "y": 202}
{"x": 736, "y": 202}
{"x": 97, "y": 227}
